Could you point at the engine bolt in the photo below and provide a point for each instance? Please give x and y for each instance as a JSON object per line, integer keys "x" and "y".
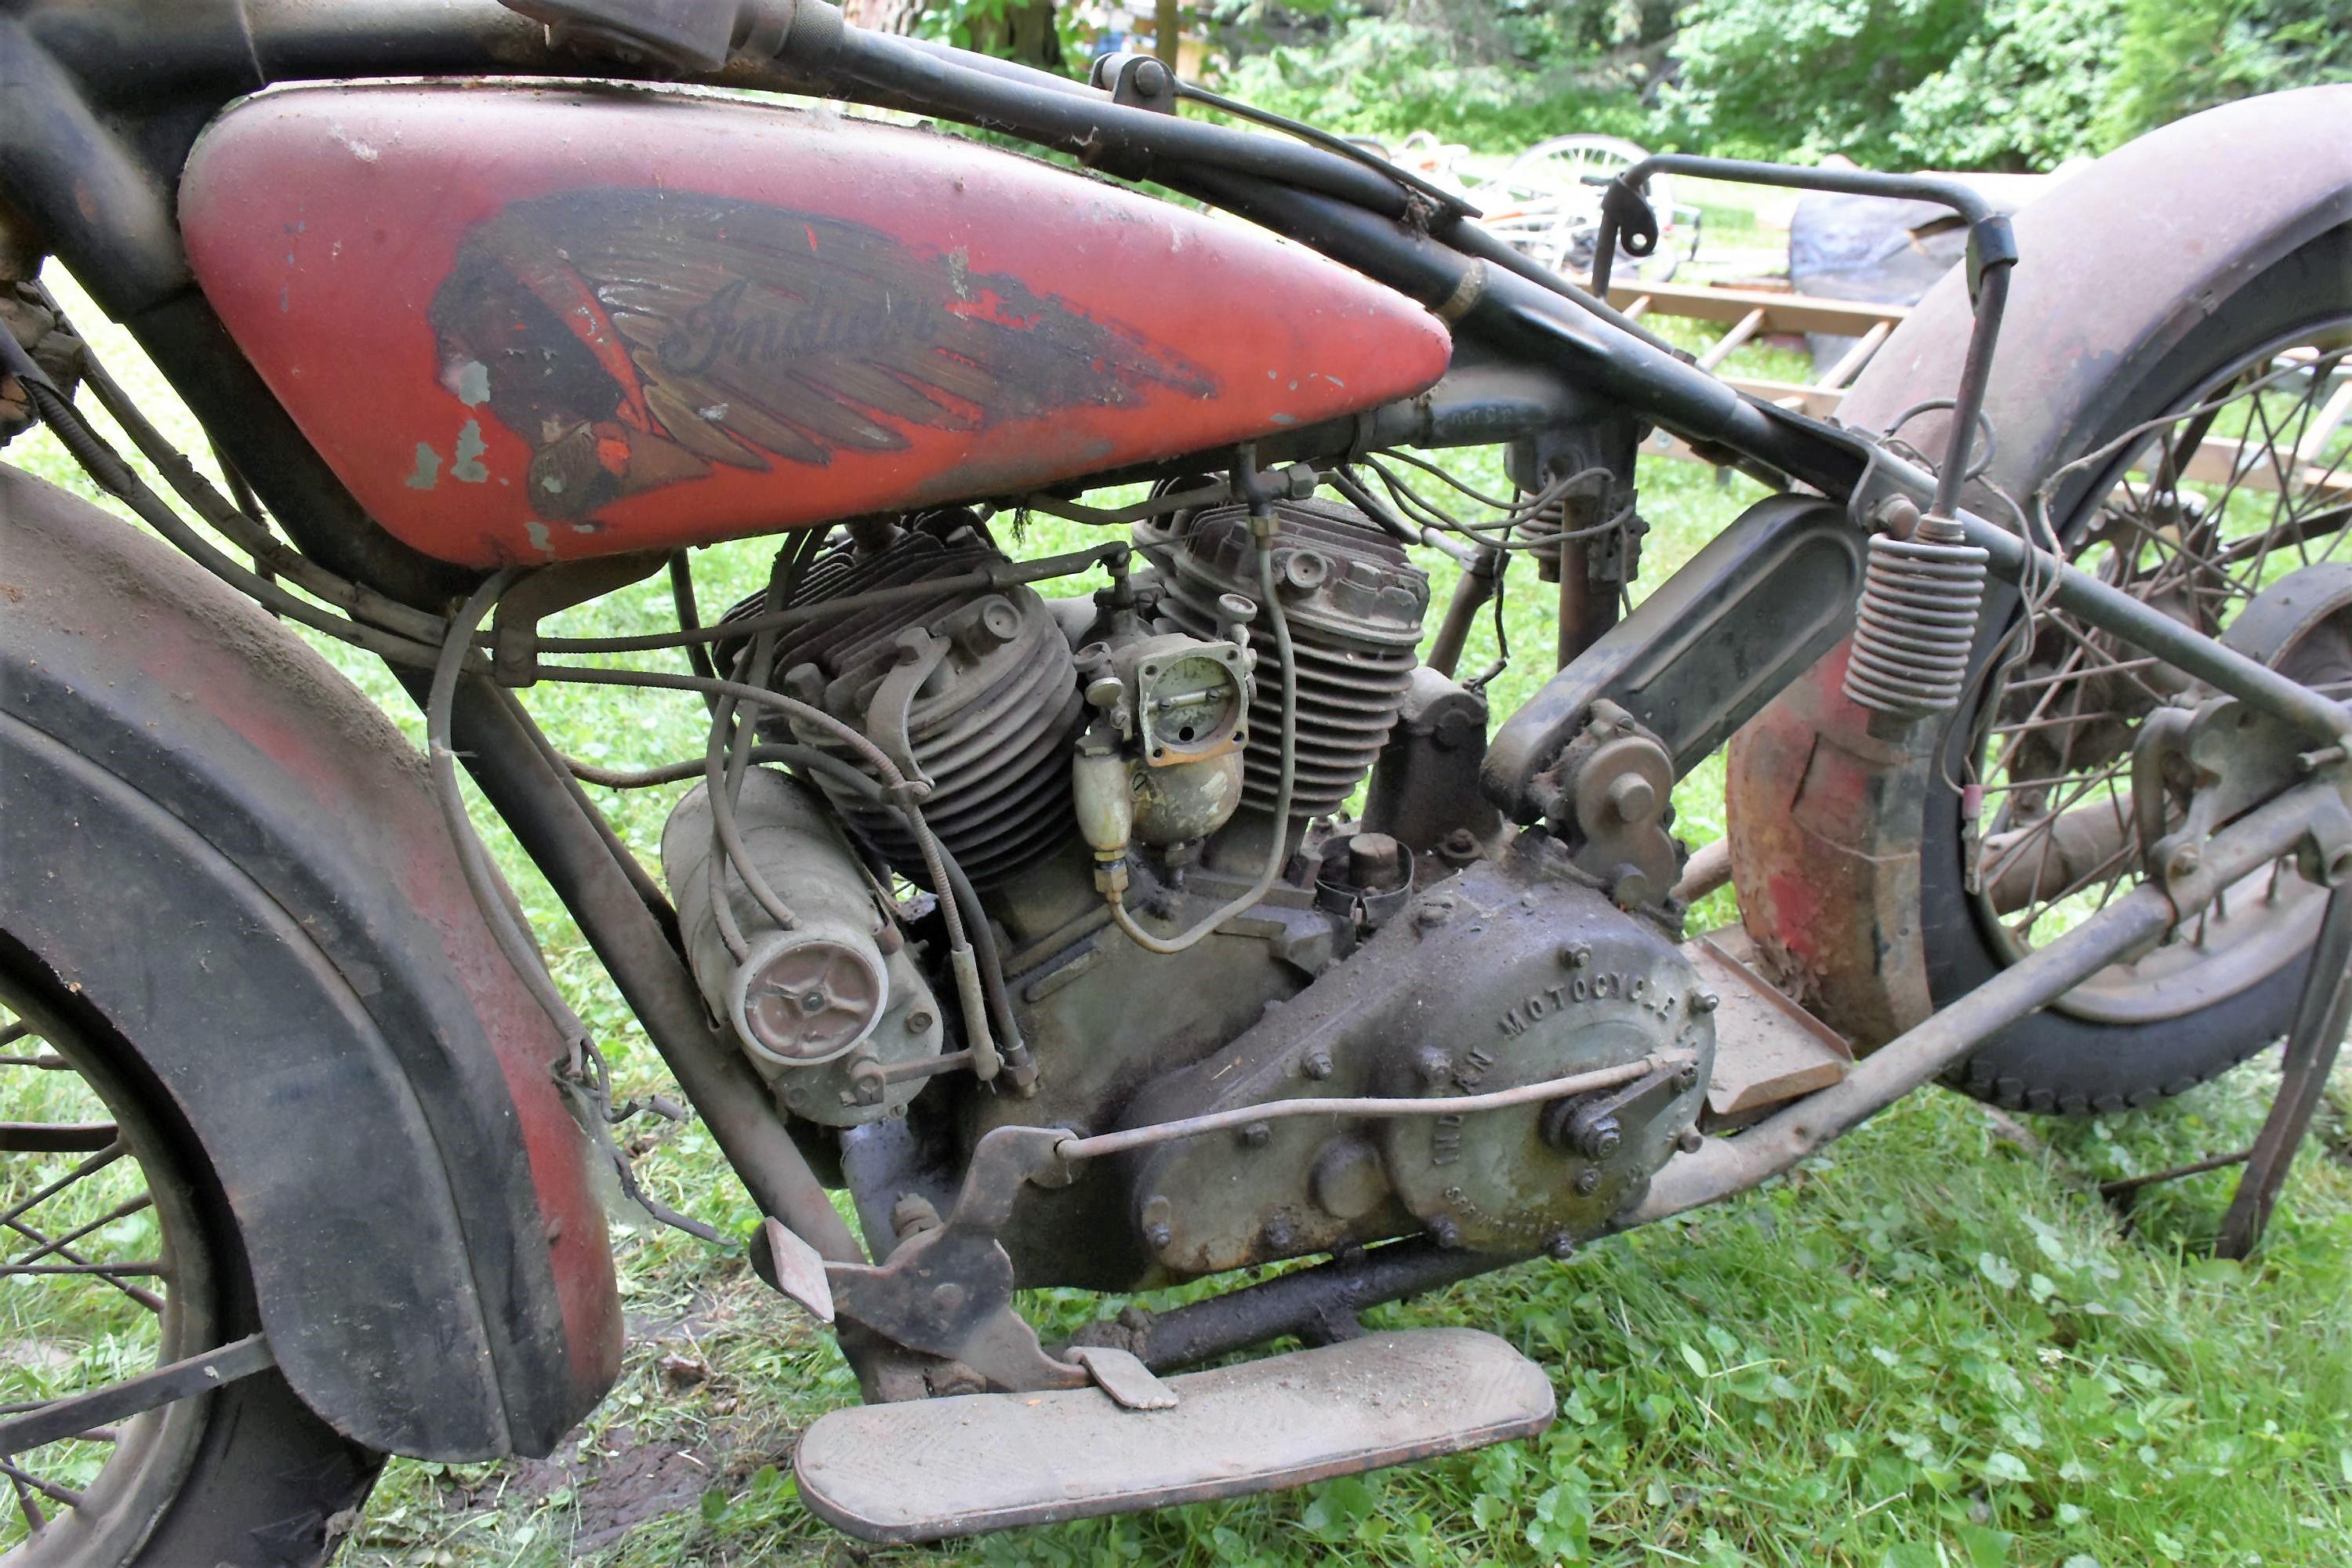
{"x": 2184, "y": 860}
{"x": 1688, "y": 1078}
{"x": 1277, "y": 1237}
{"x": 1433, "y": 1065}
{"x": 1576, "y": 954}
{"x": 1160, "y": 1235}
{"x": 1562, "y": 1247}
{"x": 1588, "y": 1182}
{"x": 1689, "y": 1139}
{"x": 1705, "y": 1002}
{"x": 1316, "y": 1064}
{"x": 949, "y": 1298}
{"x": 1444, "y": 1232}
{"x": 917, "y": 1022}
{"x": 1257, "y": 1135}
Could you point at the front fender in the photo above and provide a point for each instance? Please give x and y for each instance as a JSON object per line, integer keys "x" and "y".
{"x": 226, "y": 850}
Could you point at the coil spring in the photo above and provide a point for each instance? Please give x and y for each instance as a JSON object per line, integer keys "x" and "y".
{"x": 1920, "y": 600}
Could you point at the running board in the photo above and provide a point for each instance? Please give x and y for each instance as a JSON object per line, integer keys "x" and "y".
{"x": 930, "y": 1469}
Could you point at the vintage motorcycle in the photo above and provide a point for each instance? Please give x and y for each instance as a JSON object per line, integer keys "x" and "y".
{"x": 1057, "y": 931}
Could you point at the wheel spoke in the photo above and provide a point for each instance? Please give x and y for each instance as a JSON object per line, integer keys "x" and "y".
{"x": 47, "y": 1488}
{"x": 88, "y": 1168}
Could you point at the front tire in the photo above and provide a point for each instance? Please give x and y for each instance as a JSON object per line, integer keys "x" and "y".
{"x": 245, "y": 1475}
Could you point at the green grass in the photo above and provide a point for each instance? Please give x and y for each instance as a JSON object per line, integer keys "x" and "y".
{"x": 1933, "y": 1346}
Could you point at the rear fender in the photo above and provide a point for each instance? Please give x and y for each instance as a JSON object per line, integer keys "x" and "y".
{"x": 219, "y": 846}
{"x": 2117, "y": 265}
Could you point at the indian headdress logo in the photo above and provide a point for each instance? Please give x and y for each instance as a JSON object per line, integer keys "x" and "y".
{"x": 634, "y": 338}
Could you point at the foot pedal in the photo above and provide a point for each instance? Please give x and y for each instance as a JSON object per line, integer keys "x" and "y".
{"x": 930, "y": 1469}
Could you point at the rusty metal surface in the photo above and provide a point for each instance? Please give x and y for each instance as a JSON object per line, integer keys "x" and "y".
{"x": 1565, "y": 984}
{"x": 1767, "y": 1048}
{"x": 331, "y": 1016}
{"x": 651, "y": 320}
{"x": 2314, "y": 816}
{"x": 1354, "y": 604}
{"x": 946, "y": 1467}
{"x": 1826, "y": 822}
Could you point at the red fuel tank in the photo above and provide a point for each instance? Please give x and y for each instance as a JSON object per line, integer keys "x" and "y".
{"x": 528, "y": 324}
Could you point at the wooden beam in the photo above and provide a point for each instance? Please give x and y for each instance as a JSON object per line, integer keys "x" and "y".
{"x": 1783, "y": 312}
{"x": 1846, "y": 369}
{"x": 1724, "y": 347}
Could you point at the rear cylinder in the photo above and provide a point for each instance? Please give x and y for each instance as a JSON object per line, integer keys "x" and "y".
{"x": 1354, "y": 604}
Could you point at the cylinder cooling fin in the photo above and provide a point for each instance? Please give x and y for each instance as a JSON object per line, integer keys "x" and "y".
{"x": 1354, "y": 604}
{"x": 976, "y": 688}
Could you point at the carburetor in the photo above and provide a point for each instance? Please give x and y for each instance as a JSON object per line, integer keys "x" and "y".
{"x": 1161, "y": 763}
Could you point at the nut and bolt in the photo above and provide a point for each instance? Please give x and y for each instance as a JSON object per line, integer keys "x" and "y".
{"x": 1704, "y": 1002}
{"x": 1588, "y": 1182}
{"x": 1576, "y": 954}
{"x": 1561, "y": 1246}
{"x": 919, "y": 1022}
{"x": 1444, "y": 1232}
{"x": 1316, "y": 1064}
{"x": 1160, "y": 1235}
{"x": 948, "y": 1298}
{"x": 1257, "y": 1135}
{"x": 1275, "y": 1240}
{"x": 1149, "y": 77}
{"x": 1632, "y": 797}
{"x": 1689, "y": 1139}
{"x": 1433, "y": 1065}
{"x": 1897, "y": 517}
{"x": 2184, "y": 861}
{"x": 1688, "y": 1078}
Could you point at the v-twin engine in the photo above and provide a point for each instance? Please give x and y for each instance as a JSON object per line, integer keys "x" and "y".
{"x": 1101, "y": 874}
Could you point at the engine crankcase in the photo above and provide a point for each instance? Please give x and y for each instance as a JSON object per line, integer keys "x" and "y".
{"x": 1511, "y": 973}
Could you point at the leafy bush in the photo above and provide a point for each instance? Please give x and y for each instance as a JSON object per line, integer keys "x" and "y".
{"x": 2025, "y": 91}
{"x": 1980, "y": 83}
{"x": 1528, "y": 72}
{"x": 2180, "y": 55}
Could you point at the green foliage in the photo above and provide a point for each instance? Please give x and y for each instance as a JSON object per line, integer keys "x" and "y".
{"x": 2180, "y": 55}
{"x": 1803, "y": 78}
{"x": 2026, "y": 91}
{"x": 1527, "y": 76}
{"x": 1980, "y": 83}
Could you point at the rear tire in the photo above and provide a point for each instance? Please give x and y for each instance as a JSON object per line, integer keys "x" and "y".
{"x": 2059, "y": 1060}
{"x": 1875, "y": 928}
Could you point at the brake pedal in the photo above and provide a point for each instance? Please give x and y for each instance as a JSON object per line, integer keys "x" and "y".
{"x": 931, "y": 1470}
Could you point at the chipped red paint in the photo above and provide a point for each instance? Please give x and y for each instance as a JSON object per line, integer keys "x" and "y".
{"x": 1824, "y": 827}
{"x": 410, "y": 847}
{"x": 526, "y": 324}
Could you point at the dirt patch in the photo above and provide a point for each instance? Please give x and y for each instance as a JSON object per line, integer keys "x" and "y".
{"x": 615, "y": 1486}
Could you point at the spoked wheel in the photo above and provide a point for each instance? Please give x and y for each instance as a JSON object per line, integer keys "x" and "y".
{"x": 2212, "y": 480}
{"x": 117, "y": 1259}
{"x": 2213, "y": 494}
{"x": 1553, "y": 178}
{"x": 2243, "y": 497}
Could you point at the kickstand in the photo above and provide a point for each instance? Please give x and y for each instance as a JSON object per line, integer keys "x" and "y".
{"x": 2312, "y": 1043}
